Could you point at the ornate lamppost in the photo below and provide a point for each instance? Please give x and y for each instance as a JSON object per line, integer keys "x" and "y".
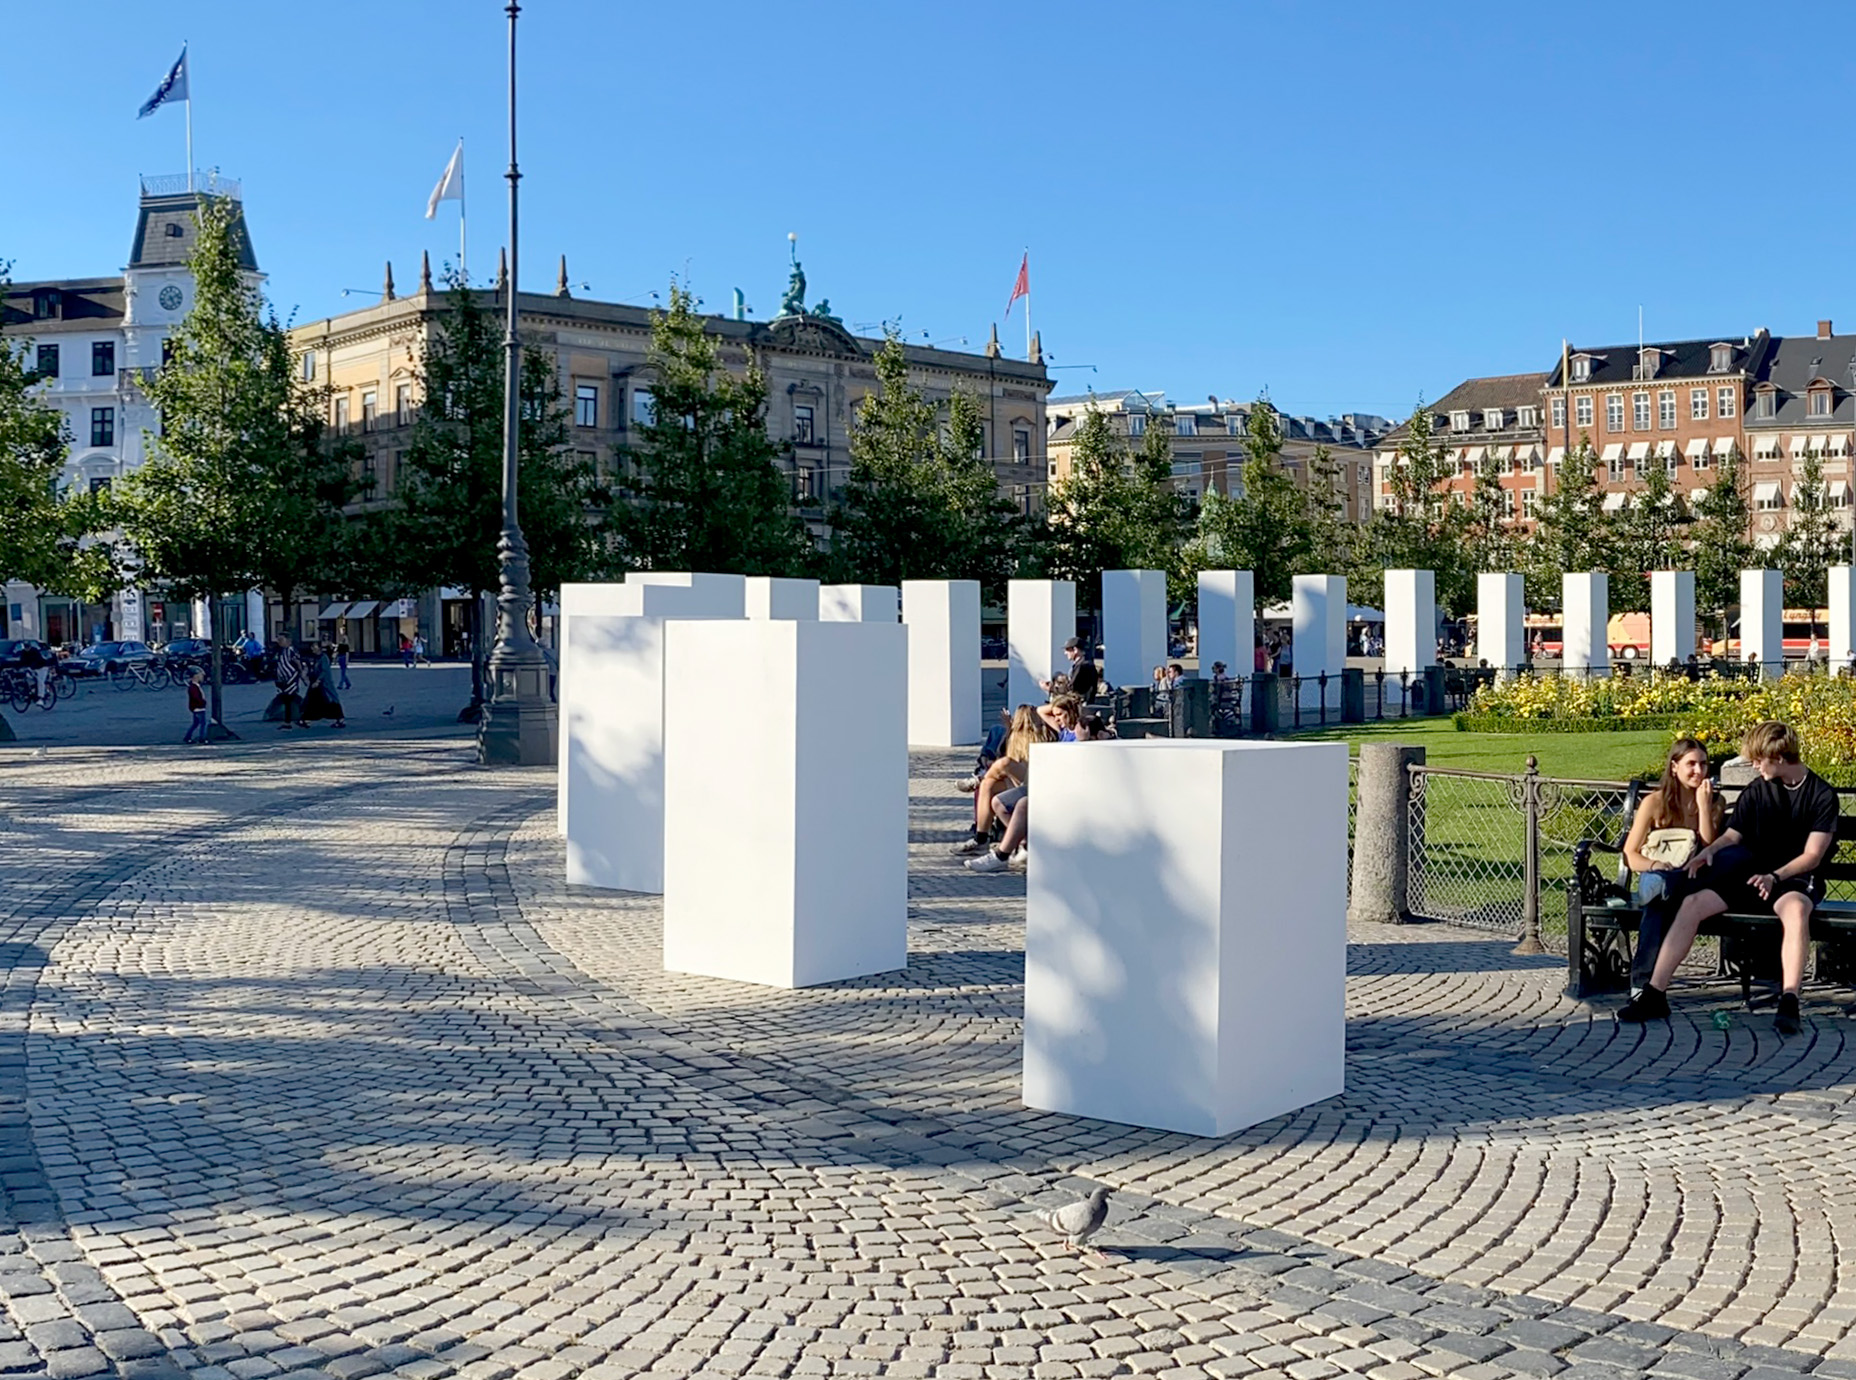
{"x": 519, "y": 725}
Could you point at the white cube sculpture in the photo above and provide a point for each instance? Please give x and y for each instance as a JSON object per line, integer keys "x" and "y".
{"x": 1319, "y": 610}
{"x": 1040, "y": 616}
{"x": 1185, "y": 931}
{"x": 1411, "y": 627}
{"x": 1227, "y": 622}
{"x": 1501, "y": 621}
{"x": 1585, "y": 609}
{"x": 943, "y": 622}
{"x": 576, "y": 600}
{"x": 612, "y": 727}
{"x": 1133, "y": 625}
{"x": 1762, "y": 599}
{"x": 786, "y": 830}
{"x": 859, "y": 604}
{"x": 771, "y": 597}
{"x": 1672, "y": 616}
{"x": 1842, "y": 618}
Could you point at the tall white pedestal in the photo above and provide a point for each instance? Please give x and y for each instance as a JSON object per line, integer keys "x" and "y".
{"x": 1842, "y": 638}
{"x": 611, "y": 697}
{"x": 771, "y": 597}
{"x": 1185, "y": 931}
{"x": 1040, "y": 616}
{"x": 713, "y": 586}
{"x": 943, "y": 622}
{"x": 1227, "y": 622}
{"x": 1133, "y": 625}
{"x": 1411, "y": 627}
{"x": 1762, "y": 600}
{"x": 1585, "y": 607}
{"x": 1672, "y": 616}
{"x": 786, "y": 830}
{"x": 1501, "y": 621}
{"x": 859, "y": 604}
{"x": 1319, "y": 610}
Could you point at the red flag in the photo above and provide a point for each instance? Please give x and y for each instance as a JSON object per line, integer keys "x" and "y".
{"x": 1021, "y": 288}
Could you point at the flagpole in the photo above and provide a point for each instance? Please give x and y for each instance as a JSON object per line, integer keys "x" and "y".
{"x": 1028, "y": 305}
{"x": 183, "y": 55}
{"x": 463, "y": 271}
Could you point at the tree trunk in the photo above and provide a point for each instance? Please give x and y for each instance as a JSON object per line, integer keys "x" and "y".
{"x": 215, "y": 672}
{"x": 473, "y": 711}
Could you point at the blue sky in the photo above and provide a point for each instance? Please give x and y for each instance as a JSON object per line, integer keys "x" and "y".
{"x": 1347, "y": 204}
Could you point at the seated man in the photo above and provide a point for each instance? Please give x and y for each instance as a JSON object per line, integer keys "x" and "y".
{"x": 1783, "y": 828}
{"x": 1084, "y": 679}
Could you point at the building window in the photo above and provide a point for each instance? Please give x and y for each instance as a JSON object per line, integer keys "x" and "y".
{"x": 1699, "y": 459}
{"x": 47, "y": 304}
{"x": 586, "y": 404}
{"x": 309, "y": 366}
{"x": 341, "y": 413}
{"x": 1459, "y": 421}
{"x": 1820, "y": 402}
{"x": 1671, "y": 462}
{"x": 1582, "y": 410}
{"x": 1581, "y": 370}
{"x": 1529, "y": 499}
{"x": 1768, "y": 498}
{"x": 1614, "y": 412}
{"x": 1492, "y": 418}
{"x": 644, "y": 407}
{"x": 1763, "y": 405}
{"x": 1234, "y": 425}
{"x": 100, "y": 485}
{"x": 1720, "y": 359}
{"x": 1698, "y": 404}
{"x": 1640, "y": 411}
{"x": 1527, "y": 417}
{"x": 1021, "y": 446}
{"x": 402, "y": 404}
{"x": 1726, "y": 402}
{"x": 1614, "y": 465}
{"x": 369, "y": 473}
{"x": 48, "y": 362}
{"x": 802, "y": 487}
{"x": 370, "y": 409}
{"x": 102, "y": 426}
{"x": 1666, "y": 410}
{"x": 1186, "y": 425}
{"x": 802, "y": 426}
{"x": 102, "y": 358}
{"x": 1137, "y": 425}
{"x": 1507, "y": 465}
{"x": 1559, "y": 413}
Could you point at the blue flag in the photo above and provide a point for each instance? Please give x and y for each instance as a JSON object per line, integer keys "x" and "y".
{"x": 173, "y": 87}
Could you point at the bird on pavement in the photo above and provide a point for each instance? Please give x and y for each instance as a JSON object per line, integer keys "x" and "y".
{"x": 387, "y": 713}
{"x": 1080, "y": 1220}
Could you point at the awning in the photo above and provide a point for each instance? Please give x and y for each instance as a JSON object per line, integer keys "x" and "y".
{"x": 1840, "y": 443}
{"x": 1614, "y": 451}
{"x": 331, "y": 612}
{"x": 1556, "y": 455}
{"x": 1799, "y": 443}
{"x": 1473, "y": 456}
{"x": 1839, "y": 491}
{"x": 1665, "y": 450}
{"x": 1765, "y": 446}
{"x": 1498, "y": 452}
{"x": 364, "y": 608}
{"x": 1723, "y": 445}
{"x": 1524, "y": 454}
{"x": 1614, "y": 500}
{"x": 1767, "y": 491}
{"x": 1639, "y": 450}
{"x": 1698, "y": 447}
{"x": 1820, "y": 444}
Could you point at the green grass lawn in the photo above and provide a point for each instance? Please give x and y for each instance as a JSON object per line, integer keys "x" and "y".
{"x": 1578, "y": 756}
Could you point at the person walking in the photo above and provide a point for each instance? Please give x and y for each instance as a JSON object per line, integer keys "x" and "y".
{"x": 292, "y": 679}
{"x": 406, "y": 651}
{"x": 323, "y": 701}
{"x": 196, "y": 701}
{"x": 341, "y": 660}
{"x": 418, "y": 650}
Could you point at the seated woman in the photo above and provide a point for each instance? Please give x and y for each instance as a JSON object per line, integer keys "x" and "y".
{"x": 1063, "y": 716}
{"x": 1673, "y": 822}
{"x": 1010, "y": 770}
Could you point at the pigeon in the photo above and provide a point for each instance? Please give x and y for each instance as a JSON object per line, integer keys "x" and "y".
{"x": 387, "y": 713}
{"x": 1080, "y": 1220}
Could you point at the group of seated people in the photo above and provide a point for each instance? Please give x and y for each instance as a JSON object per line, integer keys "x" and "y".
{"x": 1694, "y": 861}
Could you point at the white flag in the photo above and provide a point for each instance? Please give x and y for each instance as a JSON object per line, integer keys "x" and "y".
{"x": 451, "y": 186}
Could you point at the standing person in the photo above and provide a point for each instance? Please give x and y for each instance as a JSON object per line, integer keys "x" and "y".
{"x": 1265, "y": 650}
{"x": 406, "y": 651}
{"x": 418, "y": 650}
{"x": 291, "y": 680}
{"x": 196, "y": 701}
{"x": 341, "y": 660}
{"x": 324, "y": 699}
{"x": 1085, "y": 680}
{"x": 1285, "y": 657}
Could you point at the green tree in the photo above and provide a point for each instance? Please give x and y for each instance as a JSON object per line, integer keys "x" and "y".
{"x": 921, "y": 501}
{"x": 450, "y": 514}
{"x": 707, "y": 491}
{"x": 1267, "y": 524}
{"x": 1813, "y": 542}
{"x": 1647, "y": 536}
{"x": 1333, "y": 538}
{"x": 1116, "y": 509}
{"x": 1719, "y": 545}
{"x": 1488, "y": 530}
{"x": 1572, "y": 530}
{"x": 1424, "y": 524}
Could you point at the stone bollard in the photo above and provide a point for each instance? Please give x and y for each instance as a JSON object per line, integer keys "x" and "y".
{"x": 1265, "y": 707}
{"x": 1189, "y": 710}
{"x": 1434, "y": 690}
{"x": 1382, "y": 833}
{"x": 1352, "y": 695}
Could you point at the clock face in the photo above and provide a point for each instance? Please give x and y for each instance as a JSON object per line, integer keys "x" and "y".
{"x": 170, "y": 297}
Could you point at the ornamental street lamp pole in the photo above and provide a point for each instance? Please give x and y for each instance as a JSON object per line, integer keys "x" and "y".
{"x": 518, "y": 726}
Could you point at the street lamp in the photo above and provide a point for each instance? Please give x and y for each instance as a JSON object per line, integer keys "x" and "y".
{"x": 518, "y": 727}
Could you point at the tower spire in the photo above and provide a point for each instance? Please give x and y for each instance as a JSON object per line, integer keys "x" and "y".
{"x": 502, "y": 269}
{"x": 425, "y": 271}
{"x": 992, "y": 346}
{"x": 1037, "y": 347}
{"x": 560, "y": 283}
{"x": 386, "y": 289}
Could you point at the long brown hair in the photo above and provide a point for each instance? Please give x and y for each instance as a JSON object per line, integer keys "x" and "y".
{"x": 1027, "y": 728}
{"x": 1675, "y": 803}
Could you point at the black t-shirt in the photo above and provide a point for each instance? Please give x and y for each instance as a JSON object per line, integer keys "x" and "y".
{"x": 1084, "y": 680}
{"x": 1774, "y": 820}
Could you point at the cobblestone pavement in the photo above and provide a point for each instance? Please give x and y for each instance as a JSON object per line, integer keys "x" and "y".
{"x": 310, "y": 1065}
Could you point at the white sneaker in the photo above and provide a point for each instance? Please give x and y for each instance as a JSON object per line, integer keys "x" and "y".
{"x": 989, "y": 861}
{"x": 967, "y": 847}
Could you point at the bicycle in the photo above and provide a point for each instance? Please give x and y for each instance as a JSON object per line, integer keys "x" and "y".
{"x": 20, "y": 688}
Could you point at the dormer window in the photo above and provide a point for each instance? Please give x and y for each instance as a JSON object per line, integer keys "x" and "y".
{"x": 1492, "y": 419}
{"x": 1765, "y": 403}
{"x": 1137, "y": 424}
{"x": 1581, "y": 368}
{"x": 1820, "y": 402}
{"x": 1185, "y": 424}
{"x": 1648, "y": 362}
{"x": 47, "y": 304}
{"x": 1720, "y": 358}
{"x": 1527, "y": 417}
{"x": 1234, "y": 425}
{"x": 1459, "y": 421}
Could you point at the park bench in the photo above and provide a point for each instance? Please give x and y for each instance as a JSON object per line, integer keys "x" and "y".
{"x": 1602, "y": 918}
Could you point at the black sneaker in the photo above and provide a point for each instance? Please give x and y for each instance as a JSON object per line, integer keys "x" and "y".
{"x": 1647, "y": 1005}
{"x": 1786, "y": 1019}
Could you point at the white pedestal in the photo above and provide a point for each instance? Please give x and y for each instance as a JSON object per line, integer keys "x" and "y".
{"x": 786, "y": 830}
{"x": 725, "y": 587}
{"x": 1411, "y": 625}
{"x": 1585, "y": 606}
{"x": 859, "y": 604}
{"x": 1319, "y": 610}
{"x": 1672, "y": 616}
{"x": 1842, "y": 617}
{"x": 771, "y": 597}
{"x": 1227, "y": 622}
{"x": 1040, "y": 617}
{"x": 1185, "y": 932}
{"x": 943, "y": 622}
{"x": 1133, "y": 625}
{"x": 1501, "y": 621}
{"x": 1762, "y": 600}
{"x": 611, "y": 701}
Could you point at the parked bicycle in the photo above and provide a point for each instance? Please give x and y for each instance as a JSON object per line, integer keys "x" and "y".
{"x": 20, "y": 688}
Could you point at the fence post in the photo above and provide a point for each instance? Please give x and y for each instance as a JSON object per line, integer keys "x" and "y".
{"x": 1530, "y": 885}
{"x": 1382, "y": 835}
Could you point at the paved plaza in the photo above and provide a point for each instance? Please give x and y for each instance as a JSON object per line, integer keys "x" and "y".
{"x": 311, "y": 1065}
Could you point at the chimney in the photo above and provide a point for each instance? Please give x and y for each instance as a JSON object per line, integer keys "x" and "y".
{"x": 1823, "y": 330}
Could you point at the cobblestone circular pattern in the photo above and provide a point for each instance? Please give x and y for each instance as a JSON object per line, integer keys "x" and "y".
{"x": 310, "y": 1065}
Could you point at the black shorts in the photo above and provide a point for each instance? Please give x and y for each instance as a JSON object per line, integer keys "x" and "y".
{"x": 1730, "y": 878}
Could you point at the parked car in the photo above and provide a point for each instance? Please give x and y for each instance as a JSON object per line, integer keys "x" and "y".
{"x": 189, "y": 649}
{"x": 102, "y": 658}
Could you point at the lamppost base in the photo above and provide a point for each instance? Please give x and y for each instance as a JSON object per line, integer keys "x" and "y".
{"x": 520, "y": 726}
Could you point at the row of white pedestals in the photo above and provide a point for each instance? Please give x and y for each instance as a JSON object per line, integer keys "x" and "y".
{"x": 1186, "y": 899}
